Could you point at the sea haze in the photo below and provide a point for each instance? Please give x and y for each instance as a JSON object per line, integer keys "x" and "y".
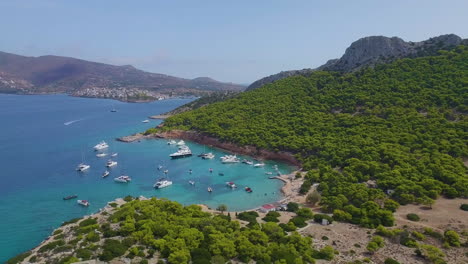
{"x": 44, "y": 137}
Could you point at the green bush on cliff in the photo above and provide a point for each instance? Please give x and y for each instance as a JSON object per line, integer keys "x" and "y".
{"x": 402, "y": 125}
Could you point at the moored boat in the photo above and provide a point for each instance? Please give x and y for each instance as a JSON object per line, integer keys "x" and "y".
{"x": 183, "y": 152}
{"x": 105, "y": 174}
{"x": 171, "y": 142}
{"x": 100, "y": 155}
{"x": 209, "y": 189}
{"x": 258, "y": 165}
{"x": 123, "y": 179}
{"x": 114, "y": 154}
{"x": 111, "y": 163}
{"x": 230, "y": 159}
{"x": 231, "y": 184}
{"x": 248, "y": 189}
{"x": 70, "y": 197}
{"x": 180, "y": 143}
{"x": 145, "y": 121}
{"x": 162, "y": 184}
{"x": 101, "y": 145}
{"x": 191, "y": 182}
{"x": 208, "y": 155}
{"x": 83, "y": 167}
{"x": 83, "y": 202}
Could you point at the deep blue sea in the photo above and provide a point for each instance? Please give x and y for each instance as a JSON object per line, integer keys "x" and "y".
{"x": 43, "y": 138}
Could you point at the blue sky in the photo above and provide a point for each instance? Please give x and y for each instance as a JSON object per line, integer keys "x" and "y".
{"x": 238, "y": 41}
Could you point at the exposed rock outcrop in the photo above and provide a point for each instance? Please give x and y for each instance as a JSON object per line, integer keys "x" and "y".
{"x": 373, "y": 50}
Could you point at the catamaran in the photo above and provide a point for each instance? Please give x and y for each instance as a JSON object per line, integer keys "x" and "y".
{"x": 83, "y": 167}
{"x": 101, "y": 145}
{"x": 162, "y": 183}
{"x": 123, "y": 179}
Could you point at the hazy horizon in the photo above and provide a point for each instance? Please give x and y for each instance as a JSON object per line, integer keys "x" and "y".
{"x": 231, "y": 42}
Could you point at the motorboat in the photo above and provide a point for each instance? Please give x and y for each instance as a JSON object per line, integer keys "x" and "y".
{"x": 259, "y": 165}
{"x": 181, "y": 153}
{"x": 248, "y": 189}
{"x": 268, "y": 173}
{"x": 105, "y": 174}
{"x": 114, "y": 154}
{"x": 162, "y": 184}
{"x": 209, "y": 189}
{"x": 111, "y": 163}
{"x": 83, "y": 167}
{"x": 248, "y": 162}
{"x": 70, "y": 197}
{"x": 160, "y": 167}
{"x": 220, "y": 174}
{"x": 171, "y": 142}
{"x": 100, "y": 155}
{"x": 83, "y": 202}
{"x": 230, "y": 159}
{"x": 231, "y": 184}
{"x": 191, "y": 182}
{"x": 180, "y": 143}
{"x": 208, "y": 156}
{"x": 145, "y": 121}
{"x": 102, "y": 145}
{"x": 166, "y": 171}
{"x": 123, "y": 179}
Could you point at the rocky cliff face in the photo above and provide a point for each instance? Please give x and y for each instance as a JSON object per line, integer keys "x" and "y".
{"x": 373, "y": 50}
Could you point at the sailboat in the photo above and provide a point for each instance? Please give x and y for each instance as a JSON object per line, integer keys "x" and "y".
{"x": 82, "y": 166}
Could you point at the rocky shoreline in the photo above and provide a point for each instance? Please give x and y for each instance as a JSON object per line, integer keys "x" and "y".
{"x": 217, "y": 143}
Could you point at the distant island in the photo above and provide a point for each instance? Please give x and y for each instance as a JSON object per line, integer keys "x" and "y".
{"x": 55, "y": 74}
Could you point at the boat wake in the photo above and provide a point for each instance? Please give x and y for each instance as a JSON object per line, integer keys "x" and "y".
{"x": 71, "y": 122}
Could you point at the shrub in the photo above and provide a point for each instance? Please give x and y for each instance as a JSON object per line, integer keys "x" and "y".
{"x": 326, "y": 253}
{"x": 271, "y": 217}
{"x": 92, "y": 237}
{"x": 18, "y": 258}
{"x": 464, "y": 207}
{"x": 430, "y": 232}
{"x": 418, "y": 235}
{"x": 318, "y": 218}
{"x": 292, "y": 207}
{"x": 298, "y": 221}
{"x": 63, "y": 248}
{"x": 74, "y": 220}
{"x": 391, "y": 261}
{"x": 68, "y": 260}
{"x": 84, "y": 253}
{"x": 305, "y": 187}
{"x": 58, "y": 231}
{"x": 305, "y": 213}
{"x": 88, "y": 222}
{"x": 112, "y": 249}
{"x": 200, "y": 256}
{"x": 289, "y": 227}
{"x": 51, "y": 245}
{"x": 250, "y": 216}
{"x": 114, "y": 205}
{"x": 452, "y": 238}
{"x": 128, "y": 198}
{"x": 324, "y": 238}
{"x": 413, "y": 217}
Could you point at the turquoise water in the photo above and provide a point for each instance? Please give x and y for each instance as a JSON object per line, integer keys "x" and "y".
{"x": 39, "y": 154}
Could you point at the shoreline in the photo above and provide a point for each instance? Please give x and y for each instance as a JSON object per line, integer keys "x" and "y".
{"x": 196, "y": 137}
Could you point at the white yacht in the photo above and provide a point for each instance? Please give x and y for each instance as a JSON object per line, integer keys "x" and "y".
{"x": 258, "y": 165}
{"x": 183, "y": 151}
{"x": 145, "y": 121}
{"x": 180, "y": 143}
{"x": 230, "y": 159}
{"x": 105, "y": 174}
{"x": 162, "y": 183}
{"x": 83, "y": 167}
{"x": 171, "y": 142}
{"x": 111, "y": 163}
{"x": 100, "y": 155}
{"x": 83, "y": 202}
{"x": 231, "y": 184}
{"x": 208, "y": 156}
{"x": 114, "y": 154}
{"x": 102, "y": 145}
{"x": 123, "y": 179}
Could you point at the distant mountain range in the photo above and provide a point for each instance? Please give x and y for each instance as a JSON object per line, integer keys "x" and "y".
{"x": 55, "y": 74}
{"x": 373, "y": 50}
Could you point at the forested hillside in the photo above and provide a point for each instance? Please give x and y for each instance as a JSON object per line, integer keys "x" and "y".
{"x": 402, "y": 124}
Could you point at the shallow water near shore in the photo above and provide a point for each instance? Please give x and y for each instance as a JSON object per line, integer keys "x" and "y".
{"x": 43, "y": 139}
